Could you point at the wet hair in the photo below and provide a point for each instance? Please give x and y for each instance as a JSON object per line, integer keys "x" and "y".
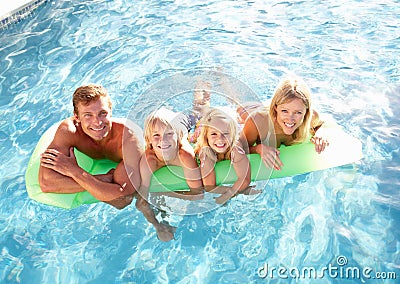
{"x": 167, "y": 118}
{"x": 207, "y": 122}
{"x": 86, "y": 94}
{"x": 288, "y": 90}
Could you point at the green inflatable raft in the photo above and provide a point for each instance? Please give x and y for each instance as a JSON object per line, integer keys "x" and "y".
{"x": 297, "y": 159}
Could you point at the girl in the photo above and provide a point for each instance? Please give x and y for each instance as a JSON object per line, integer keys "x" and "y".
{"x": 291, "y": 117}
{"x": 166, "y": 144}
{"x": 218, "y": 141}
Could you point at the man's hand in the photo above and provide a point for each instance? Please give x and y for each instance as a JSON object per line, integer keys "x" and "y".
{"x": 57, "y": 161}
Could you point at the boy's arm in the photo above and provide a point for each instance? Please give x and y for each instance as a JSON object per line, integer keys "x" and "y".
{"x": 148, "y": 165}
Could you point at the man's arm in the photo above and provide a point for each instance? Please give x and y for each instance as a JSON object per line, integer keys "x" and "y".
{"x": 67, "y": 166}
{"x": 49, "y": 179}
{"x": 127, "y": 173}
{"x": 55, "y": 162}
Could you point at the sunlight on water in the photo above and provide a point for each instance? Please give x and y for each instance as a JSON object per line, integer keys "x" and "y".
{"x": 347, "y": 52}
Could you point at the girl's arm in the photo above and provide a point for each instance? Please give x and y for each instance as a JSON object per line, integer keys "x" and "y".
{"x": 241, "y": 165}
{"x": 190, "y": 169}
{"x": 207, "y": 170}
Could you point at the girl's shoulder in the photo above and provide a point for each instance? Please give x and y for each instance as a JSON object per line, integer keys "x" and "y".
{"x": 237, "y": 153}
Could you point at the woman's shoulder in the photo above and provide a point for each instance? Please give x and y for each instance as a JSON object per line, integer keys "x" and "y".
{"x": 259, "y": 115}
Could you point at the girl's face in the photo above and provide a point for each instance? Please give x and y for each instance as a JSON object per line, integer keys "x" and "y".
{"x": 164, "y": 141}
{"x": 219, "y": 136}
{"x": 290, "y": 115}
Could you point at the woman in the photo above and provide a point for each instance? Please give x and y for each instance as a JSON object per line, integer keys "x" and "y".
{"x": 290, "y": 118}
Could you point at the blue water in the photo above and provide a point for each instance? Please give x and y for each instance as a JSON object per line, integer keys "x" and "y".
{"x": 348, "y": 52}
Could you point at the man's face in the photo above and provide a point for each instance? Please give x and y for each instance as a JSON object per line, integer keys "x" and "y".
{"x": 95, "y": 118}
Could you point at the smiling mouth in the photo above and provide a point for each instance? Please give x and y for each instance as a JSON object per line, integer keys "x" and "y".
{"x": 98, "y": 129}
{"x": 290, "y": 125}
{"x": 164, "y": 147}
{"x": 220, "y": 146}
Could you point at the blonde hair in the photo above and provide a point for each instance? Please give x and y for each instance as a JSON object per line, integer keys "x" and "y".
{"x": 167, "y": 118}
{"x": 288, "y": 90}
{"x": 207, "y": 122}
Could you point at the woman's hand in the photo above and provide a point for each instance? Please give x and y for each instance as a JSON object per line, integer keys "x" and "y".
{"x": 320, "y": 143}
{"x": 270, "y": 156}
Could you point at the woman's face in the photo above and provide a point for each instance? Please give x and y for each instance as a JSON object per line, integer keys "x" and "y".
{"x": 290, "y": 115}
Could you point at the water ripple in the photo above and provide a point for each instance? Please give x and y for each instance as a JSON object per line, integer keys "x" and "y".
{"x": 346, "y": 51}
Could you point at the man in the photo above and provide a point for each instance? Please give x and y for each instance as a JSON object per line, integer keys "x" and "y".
{"x": 93, "y": 132}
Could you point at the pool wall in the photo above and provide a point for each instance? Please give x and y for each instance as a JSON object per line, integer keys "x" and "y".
{"x": 15, "y": 11}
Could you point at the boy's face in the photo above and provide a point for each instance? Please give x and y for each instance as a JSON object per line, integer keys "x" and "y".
{"x": 95, "y": 118}
{"x": 164, "y": 141}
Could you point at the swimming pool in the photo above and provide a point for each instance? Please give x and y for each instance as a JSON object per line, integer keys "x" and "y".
{"x": 346, "y": 217}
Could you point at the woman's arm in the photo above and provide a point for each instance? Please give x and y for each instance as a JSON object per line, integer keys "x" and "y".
{"x": 319, "y": 131}
{"x": 256, "y": 128}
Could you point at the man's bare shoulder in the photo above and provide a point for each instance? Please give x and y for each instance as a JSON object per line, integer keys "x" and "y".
{"x": 67, "y": 126}
{"x": 129, "y": 130}
{"x": 65, "y": 135}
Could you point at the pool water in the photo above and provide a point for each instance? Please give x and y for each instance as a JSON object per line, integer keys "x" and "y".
{"x": 346, "y": 217}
